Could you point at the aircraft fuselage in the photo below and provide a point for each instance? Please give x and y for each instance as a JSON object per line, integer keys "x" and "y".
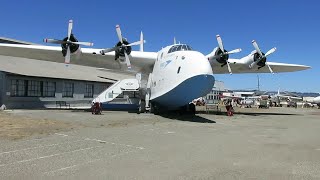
{"x": 180, "y": 75}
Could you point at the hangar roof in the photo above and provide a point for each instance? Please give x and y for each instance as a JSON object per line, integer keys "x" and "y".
{"x": 14, "y": 41}
{"x": 37, "y": 68}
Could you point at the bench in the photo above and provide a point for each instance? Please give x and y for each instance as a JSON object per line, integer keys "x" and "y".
{"x": 62, "y": 103}
{"x": 213, "y": 107}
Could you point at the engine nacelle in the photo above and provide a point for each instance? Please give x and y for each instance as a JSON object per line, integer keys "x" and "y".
{"x": 217, "y": 55}
{"x": 261, "y": 61}
{"x": 120, "y": 52}
{"x": 73, "y": 47}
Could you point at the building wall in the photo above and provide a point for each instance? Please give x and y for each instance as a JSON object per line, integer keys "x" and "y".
{"x": 2, "y": 81}
{"x": 213, "y": 97}
{"x": 77, "y": 100}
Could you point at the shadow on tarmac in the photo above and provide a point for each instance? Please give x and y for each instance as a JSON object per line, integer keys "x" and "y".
{"x": 268, "y": 114}
{"x": 187, "y": 117}
{"x": 250, "y": 113}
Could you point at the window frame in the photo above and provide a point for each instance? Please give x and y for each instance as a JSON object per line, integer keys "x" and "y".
{"x": 20, "y": 89}
{"x": 49, "y": 89}
{"x": 34, "y": 88}
{"x": 65, "y": 92}
{"x": 89, "y": 94}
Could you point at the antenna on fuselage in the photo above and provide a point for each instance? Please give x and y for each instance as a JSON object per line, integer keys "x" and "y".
{"x": 141, "y": 40}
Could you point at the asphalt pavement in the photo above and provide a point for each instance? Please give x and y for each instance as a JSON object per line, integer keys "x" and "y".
{"x": 278, "y": 143}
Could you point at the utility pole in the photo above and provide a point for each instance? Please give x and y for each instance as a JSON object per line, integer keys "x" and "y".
{"x": 258, "y": 83}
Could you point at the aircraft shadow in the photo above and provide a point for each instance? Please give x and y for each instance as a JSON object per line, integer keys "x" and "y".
{"x": 250, "y": 113}
{"x": 268, "y": 114}
{"x": 187, "y": 117}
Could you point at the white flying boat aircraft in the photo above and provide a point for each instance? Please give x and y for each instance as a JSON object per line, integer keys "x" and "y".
{"x": 315, "y": 100}
{"x": 177, "y": 74}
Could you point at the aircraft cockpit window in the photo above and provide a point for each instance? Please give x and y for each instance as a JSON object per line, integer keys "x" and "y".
{"x": 179, "y": 48}
{"x": 184, "y": 48}
{"x": 171, "y": 49}
{"x": 175, "y": 48}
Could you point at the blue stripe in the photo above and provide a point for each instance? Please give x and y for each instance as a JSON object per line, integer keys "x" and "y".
{"x": 187, "y": 91}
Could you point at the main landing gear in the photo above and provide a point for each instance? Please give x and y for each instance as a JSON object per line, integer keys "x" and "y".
{"x": 188, "y": 109}
{"x": 154, "y": 108}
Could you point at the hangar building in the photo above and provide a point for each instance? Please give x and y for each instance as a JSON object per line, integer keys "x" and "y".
{"x": 213, "y": 96}
{"x": 26, "y": 83}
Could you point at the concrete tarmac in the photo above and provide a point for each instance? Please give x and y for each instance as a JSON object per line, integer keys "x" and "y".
{"x": 276, "y": 143}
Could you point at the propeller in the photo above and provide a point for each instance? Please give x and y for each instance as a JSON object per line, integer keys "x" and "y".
{"x": 222, "y": 48}
{"x": 224, "y": 52}
{"x": 262, "y": 56}
{"x": 68, "y": 42}
{"x": 124, "y": 46}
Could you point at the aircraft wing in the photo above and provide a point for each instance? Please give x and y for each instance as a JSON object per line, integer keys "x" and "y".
{"x": 238, "y": 67}
{"x": 290, "y": 97}
{"x": 230, "y": 97}
{"x": 254, "y": 97}
{"x": 141, "y": 61}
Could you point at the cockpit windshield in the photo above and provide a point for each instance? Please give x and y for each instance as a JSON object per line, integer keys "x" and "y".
{"x": 180, "y": 47}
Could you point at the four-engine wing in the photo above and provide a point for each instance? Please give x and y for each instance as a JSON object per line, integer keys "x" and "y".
{"x": 122, "y": 58}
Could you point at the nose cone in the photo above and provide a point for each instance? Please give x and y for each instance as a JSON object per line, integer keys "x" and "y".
{"x": 199, "y": 64}
{"x": 316, "y": 99}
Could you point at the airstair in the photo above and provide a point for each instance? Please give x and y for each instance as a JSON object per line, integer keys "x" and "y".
{"x": 118, "y": 88}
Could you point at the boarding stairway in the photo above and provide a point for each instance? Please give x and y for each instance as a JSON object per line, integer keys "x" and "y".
{"x": 118, "y": 88}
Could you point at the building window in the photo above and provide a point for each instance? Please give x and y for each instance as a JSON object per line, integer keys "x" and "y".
{"x": 34, "y": 88}
{"x": 89, "y": 91}
{"x": 18, "y": 87}
{"x": 68, "y": 89}
{"x": 49, "y": 89}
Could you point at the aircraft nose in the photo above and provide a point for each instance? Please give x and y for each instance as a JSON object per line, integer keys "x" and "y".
{"x": 201, "y": 64}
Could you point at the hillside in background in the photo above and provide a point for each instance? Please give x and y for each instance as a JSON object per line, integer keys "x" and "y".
{"x": 303, "y": 94}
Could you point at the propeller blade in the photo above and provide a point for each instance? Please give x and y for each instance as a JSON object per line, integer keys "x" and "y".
{"x": 220, "y": 43}
{"x": 119, "y": 33}
{"x": 127, "y": 60}
{"x": 67, "y": 57}
{"x": 234, "y": 51}
{"x": 83, "y": 43}
{"x": 270, "y": 68}
{"x": 70, "y": 29}
{"x": 229, "y": 68}
{"x": 109, "y": 50}
{"x": 54, "y": 41}
{"x": 270, "y": 51}
{"x": 135, "y": 43}
{"x": 255, "y": 45}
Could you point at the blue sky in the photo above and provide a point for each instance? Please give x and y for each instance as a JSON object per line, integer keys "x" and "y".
{"x": 291, "y": 26}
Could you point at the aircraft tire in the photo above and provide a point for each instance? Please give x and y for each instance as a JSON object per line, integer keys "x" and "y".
{"x": 192, "y": 108}
{"x": 154, "y": 109}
